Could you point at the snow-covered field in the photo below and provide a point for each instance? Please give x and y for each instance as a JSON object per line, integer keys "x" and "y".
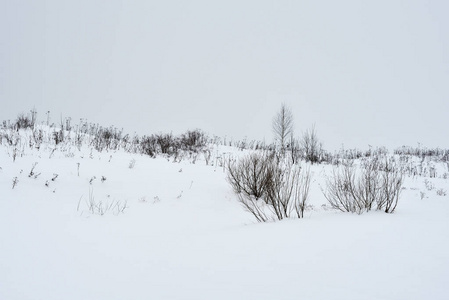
{"x": 158, "y": 229}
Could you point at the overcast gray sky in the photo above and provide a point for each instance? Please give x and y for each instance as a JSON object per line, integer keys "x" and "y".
{"x": 365, "y": 72}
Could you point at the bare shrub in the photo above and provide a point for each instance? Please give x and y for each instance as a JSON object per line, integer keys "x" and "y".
{"x": 436, "y": 154}
{"x": 168, "y": 143}
{"x": 148, "y": 145}
{"x": 341, "y": 189}
{"x": 106, "y": 138}
{"x": 268, "y": 187}
{"x": 25, "y": 121}
{"x": 301, "y": 194}
{"x": 250, "y": 176}
{"x": 288, "y": 190}
{"x": 368, "y": 186}
{"x": 311, "y": 146}
{"x": 193, "y": 140}
{"x": 356, "y": 189}
{"x": 391, "y": 186}
{"x": 295, "y": 150}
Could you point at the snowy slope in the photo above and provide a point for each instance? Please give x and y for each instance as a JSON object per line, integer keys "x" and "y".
{"x": 183, "y": 235}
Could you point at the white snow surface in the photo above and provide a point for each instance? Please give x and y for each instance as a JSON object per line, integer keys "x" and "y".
{"x": 183, "y": 235}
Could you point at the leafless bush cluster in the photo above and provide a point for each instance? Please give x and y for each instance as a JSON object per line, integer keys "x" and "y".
{"x": 250, "y": 176}
{"x": 25, "y": 121}
{"x": 344, "y": 155}
{"x": 193, "y": 140}
{"x": 357, "y": 189}
{"x": 268, "y": 187}
{"x": 420, "y": 151}
{"x": 167, "y": 143}
{"x": 244, "y": 144}
{"x": 422, "y": 166}
{"x": 107, "y": 138}
{"x": 147, "y": 145}
{"x": 94, "y": 136}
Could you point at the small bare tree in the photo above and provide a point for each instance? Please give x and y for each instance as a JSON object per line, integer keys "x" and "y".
{"x": 283, "y": 126}
{"x": 311, "y": 146}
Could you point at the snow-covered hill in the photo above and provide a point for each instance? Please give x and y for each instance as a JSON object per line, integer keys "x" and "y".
{"x": 84, "y": 224}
